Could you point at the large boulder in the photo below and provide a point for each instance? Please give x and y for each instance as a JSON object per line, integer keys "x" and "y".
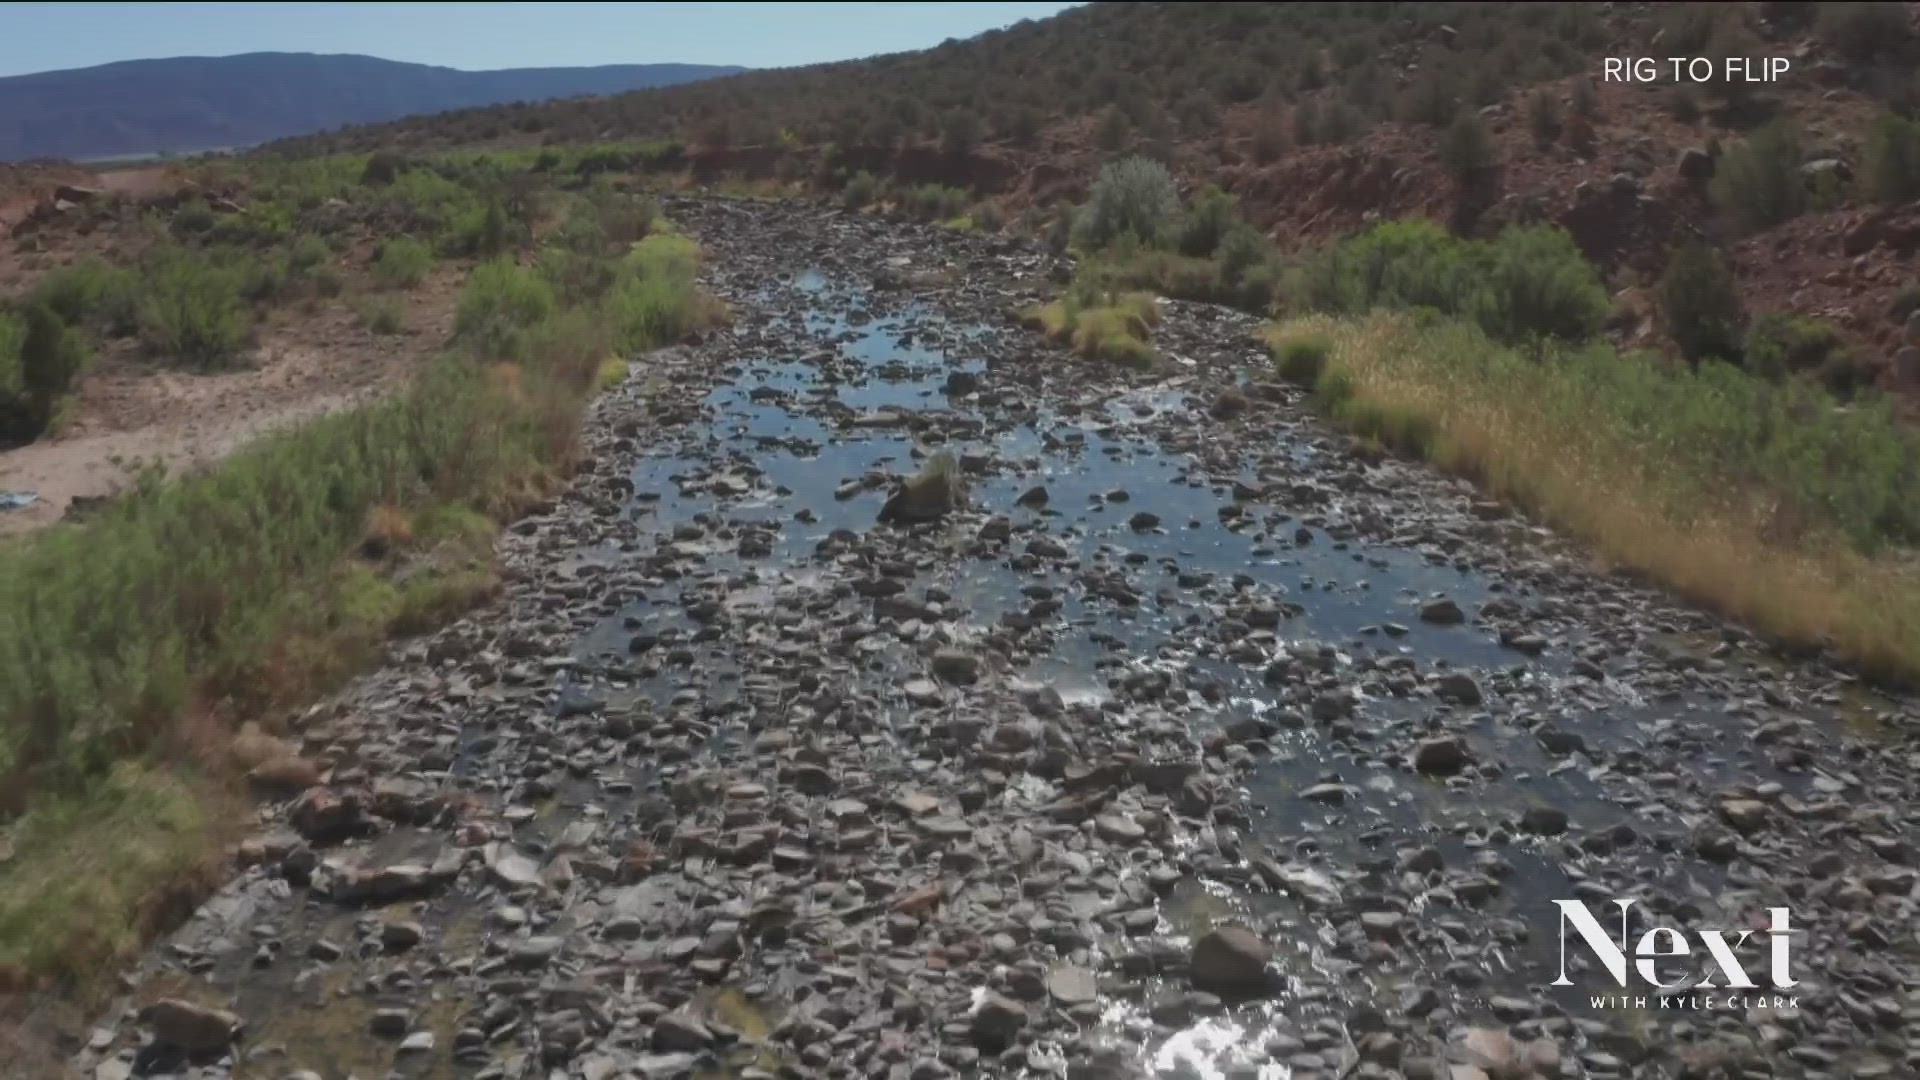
{"x": 196, "y": 1029}
{"x": 928, "y": 495}
{"x": 1229, "y": 958}
{"x": 1695, "y": 164}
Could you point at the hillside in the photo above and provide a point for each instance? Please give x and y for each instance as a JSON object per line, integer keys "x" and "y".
{"x": 200, "y": 103}
{"x": 1321, "y": 117}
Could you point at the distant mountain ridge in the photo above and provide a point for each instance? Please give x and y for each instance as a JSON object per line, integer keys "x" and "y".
{"x": 190, "y": 103}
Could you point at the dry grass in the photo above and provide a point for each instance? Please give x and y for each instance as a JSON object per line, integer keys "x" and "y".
{"x": 1549, "y": 437}
{"x": 1115, "y": 328}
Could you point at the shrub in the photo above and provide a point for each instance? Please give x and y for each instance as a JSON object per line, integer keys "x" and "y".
{"x": 1537, "y": 282}
{"x": 1758, "y": 183}
{"x": 382, "y": 316}
{"x": 192, "y": 312}
{"x": 1207, "y": 223}
{"x": 1864, "y": 30}
{"x": 192, "y": 219}
{"x": 382, "y": 168}
{"x": 1700, "y": 305}
{"x": 308, "y": 253}
{"x": 483, "y": 232}
{"x": 91, "y": 292}
{"x": 262, "y": 279}
{"x": 1466, "y": 149}
{"x": 1528, "y": 282}
{"x": 51, "y": 354}
{"x": 644, "y": 311}
{"x": 500, "y": 303}
{"x": 1780, "y": 346}
{"x": 402, "y": 263}
{"x": 1892, "y": 165}
{"x": 20, "y": 421}
{"x": 1114, "y": 130}
{"x": 1100, "y": 325}
{"x": 1543, "y": 118}
{"x": 1302, "y": 357}
{"x": 1133, "y": 197}
{"x": 1585, "y": 100}
{"x": 860, "y": 190}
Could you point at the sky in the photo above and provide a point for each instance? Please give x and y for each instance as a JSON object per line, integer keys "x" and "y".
{"x": 477, "y": 36}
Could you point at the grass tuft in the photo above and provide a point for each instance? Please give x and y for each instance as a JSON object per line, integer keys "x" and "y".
{"x": 1769, "y": 502}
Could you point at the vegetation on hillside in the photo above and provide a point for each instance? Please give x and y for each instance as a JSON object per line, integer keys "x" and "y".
{"x": 1137, "y": 70}
{"x": 257, "y": 583}
{"x": 1761, "y": 499}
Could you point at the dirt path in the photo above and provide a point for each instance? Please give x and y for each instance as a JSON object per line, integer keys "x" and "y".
{"x": 129, "y": 413}
{"x": 1192, "y": 745}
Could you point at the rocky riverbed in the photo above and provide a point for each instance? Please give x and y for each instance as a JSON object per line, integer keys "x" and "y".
{"x": 1159, "y": 732}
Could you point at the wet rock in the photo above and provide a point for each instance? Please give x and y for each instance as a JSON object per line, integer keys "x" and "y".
{"x": 1746, "y": 815}
{"x": 996, "y": 1022}
{"x": 956, "y": 666}
{"x": 194, "y": 1028}
{"x": 680, "y": 1031}
{"x": 1119, "y": 829}
{"x": 389, "y": 1023}
{"x": 510, "y": 869}
{"x": 1458, "y": 687}
{"x": 324, "y": 815}
{"x": 1144, "y": 521}
{"x": 1033, "y": 496}
{"x": 935, "y": 491}
{"x": 1072, "y": 985}
{"x": 1228, "y": 404}
{"x": 1442, "y": 612}
{"x": 1443, "y": 756}
{"x": 1229, "y": 959}
{"x": 420, "y": 1042}
{"x": 1544, "y": 820}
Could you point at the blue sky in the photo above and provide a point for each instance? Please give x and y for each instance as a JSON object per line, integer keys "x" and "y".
{"x": 47, "y": 37}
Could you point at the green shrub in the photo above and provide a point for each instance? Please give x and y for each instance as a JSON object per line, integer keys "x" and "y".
{"x": 402, "y": 263}
{"x": 1528, "y": 282}
{"x": 1466, "y": 148}
{"x": 192, "y": 219}
{"x": 1700, "y": 304}
{"x": 1892, "y": 166}
{"x": 1205, "y": 225}
{"x": 500, "y": 303}
{"x": 644, "y": 311}
{"x": 1864, "y": 31}
{"x": 1779, "y": 346}
{"x": 91, "y": 293}
{"x": 382, "y": 168}
{"x": 192, "y": 312}
{"x": 1543, "y": 118}
{"x": 1133, "y": 197}
{"x": 482, "y": 232}
{"x": 1758, "y": 183}
{"x": 577, "y": 274}
{"x": 51, "y": 353}
{"x": 382, "y": 316}
{"x": 860, "y": 190}
{"x": 264, "y": 278}
{"x": 1535, "y": 281}
{"x": 307, "y": 253}
{"x": 1302, "y": 357}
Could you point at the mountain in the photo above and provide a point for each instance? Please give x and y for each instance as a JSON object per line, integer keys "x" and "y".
{"x": 191, "y": 103}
